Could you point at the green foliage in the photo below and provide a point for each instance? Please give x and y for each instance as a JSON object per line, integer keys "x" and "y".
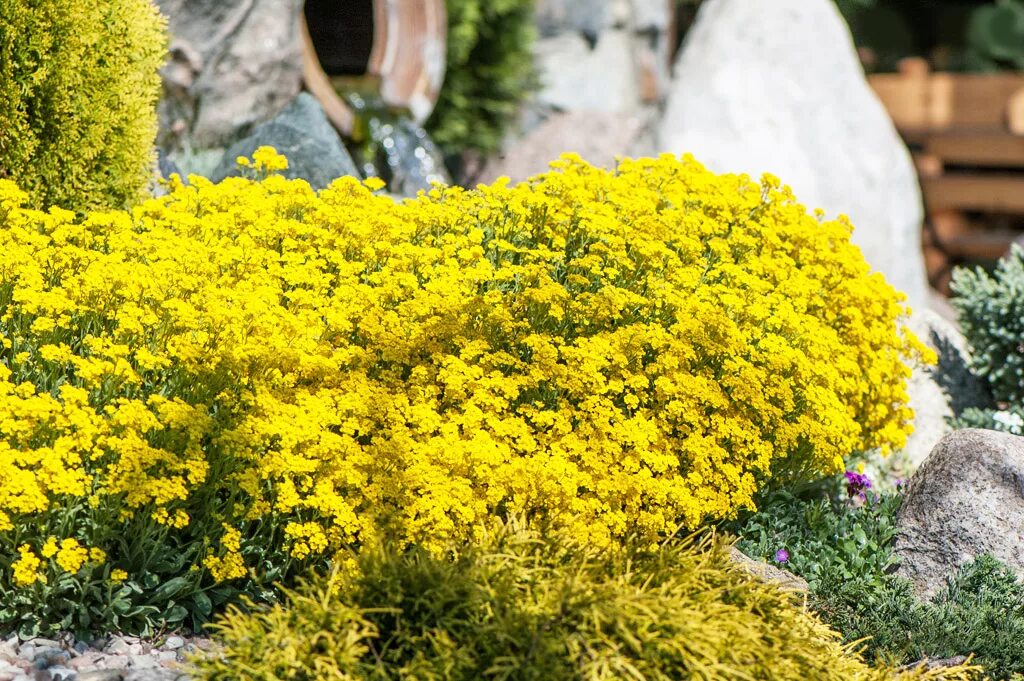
{"x": 844, "y": 551}
{"x": 827, "y": 537}
{"x": 78, "y": 92}
{"x": 1009, "y": 420}
{"x": 995, "y": 36}
{"x": 490, "y": 71}
{"x": 521, "y": 608}
{"x": 991, "y": 314}
{"x": 979, "y": 613}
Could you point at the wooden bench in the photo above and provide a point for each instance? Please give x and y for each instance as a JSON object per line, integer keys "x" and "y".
{"x": 966, "y": 132}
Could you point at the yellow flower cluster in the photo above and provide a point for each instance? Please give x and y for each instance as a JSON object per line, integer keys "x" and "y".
{"x": 612, "y": 351}
{"x": 231, "y": 565}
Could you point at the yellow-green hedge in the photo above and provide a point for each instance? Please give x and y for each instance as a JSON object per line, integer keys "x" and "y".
{"x": 78, "y": 93}
{"x": 245, "y": 377}
{"x": 524, "y": 608}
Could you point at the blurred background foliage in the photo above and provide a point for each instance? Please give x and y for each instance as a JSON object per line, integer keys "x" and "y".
{"x": 954, "y": 35}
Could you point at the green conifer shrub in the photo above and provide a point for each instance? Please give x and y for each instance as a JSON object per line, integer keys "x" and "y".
{"x": 990, "y": 309}
{"x": 78, "y": 93}
{"x": 521, "y": 608}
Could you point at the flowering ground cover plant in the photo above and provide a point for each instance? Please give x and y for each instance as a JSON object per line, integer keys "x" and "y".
{"x": 226, "y": 385}
{"x": 838, "y": 535}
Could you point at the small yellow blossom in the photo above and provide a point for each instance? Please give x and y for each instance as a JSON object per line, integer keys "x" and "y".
{"x": 50, "y": 547}
{"x": 71, "y": 556}
{"x": 26, "y": 567}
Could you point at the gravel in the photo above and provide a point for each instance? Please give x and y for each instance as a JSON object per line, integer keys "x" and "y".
{"x": 112, "y": 658}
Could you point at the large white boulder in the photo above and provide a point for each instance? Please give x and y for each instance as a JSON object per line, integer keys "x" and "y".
{"x": 777, "y": 87}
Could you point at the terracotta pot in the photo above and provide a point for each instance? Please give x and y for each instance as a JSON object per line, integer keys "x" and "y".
{"x": 407, "y": 55}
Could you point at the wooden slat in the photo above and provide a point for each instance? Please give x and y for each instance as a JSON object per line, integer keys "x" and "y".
{"x": 980, "y": 100}
{"x": 984, "y": 245}
{"x": 919, "y": 101}
{"x": 984, "y": 148}
{"x": 1002, "y": 193}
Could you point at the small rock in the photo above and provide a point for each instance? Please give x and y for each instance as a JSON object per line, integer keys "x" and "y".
{"x": 167, "y": 656}
{"x": 174, "y": 642}
{"x": 27, "y": 652}
{"x": 117, "y": 646}
{"x": 51, "y": 656}
{"x": 152, "y": 675}
{"x": 9, "y": 670}
{"x": 142, "y": 662}
{"x": 113, "y": 662}
{"x": 80, "y": 648}
{"x": 767, "y": 573}
{"x": 8, "y": 651}
{"x": 60, "y": 673}
{"x": 966, "y": 500}
{"x": 100, "y": 675}
{"x": 88, "y": 659}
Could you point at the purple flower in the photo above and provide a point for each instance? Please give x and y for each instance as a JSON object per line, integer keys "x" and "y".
{"x": 781, "y": 556}
{"x": 857, "y": 484}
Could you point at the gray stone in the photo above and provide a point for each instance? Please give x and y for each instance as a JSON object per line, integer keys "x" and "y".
{"x": 51, "y": 655}
{"x": 117, "y": 646}
{"x": 304, "y": 135}
{"x": 938, "y": 392}
{"x": 8, "y": 650}
{"x": 101, "y": 675}
{"x": 767, "y": 573}
{"x": 142, "y": 661}
{"x": 60, "y": 673}
{"x": 166, "y": 656}
{"x": 174, "y": 642}
{"x": 777, "y": 87}
{"x": 586, "y": 17}
{"x": 597, "y": 137}
{"x": 87, "y": 659}
{"x": 578, "y": 76}
{"x": 966, "y": 500}
{"x": 119, "y": 661}
{"x": 652, "y": 15}
{"x": 153, "y": 675}
{"x": 234, "y": 63}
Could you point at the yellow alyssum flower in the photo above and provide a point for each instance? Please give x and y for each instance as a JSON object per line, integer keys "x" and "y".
{"x": 614, "y": 351}
{"x": 26, "y": 568}
{"x": 72, "y": 555}
{"x": 118, "y": 575}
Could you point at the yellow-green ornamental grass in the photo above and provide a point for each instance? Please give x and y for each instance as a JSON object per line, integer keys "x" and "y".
{"x": 253, "y": 376}
{"x": 78, "y": 93}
